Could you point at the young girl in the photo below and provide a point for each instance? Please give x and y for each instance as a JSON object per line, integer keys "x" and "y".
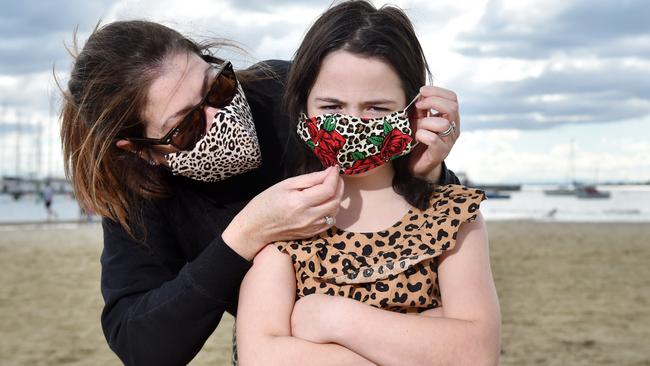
{"x": 404, "y": 276}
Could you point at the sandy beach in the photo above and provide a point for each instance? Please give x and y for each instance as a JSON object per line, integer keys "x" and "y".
{"x": 571, "y": 294}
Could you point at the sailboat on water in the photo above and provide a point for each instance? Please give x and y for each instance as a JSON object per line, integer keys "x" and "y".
{"x": 578, "y": 190}
{"x": 561, "y": 191}
{"x": 589, "y": 191}
{"x": 575, "y": 188}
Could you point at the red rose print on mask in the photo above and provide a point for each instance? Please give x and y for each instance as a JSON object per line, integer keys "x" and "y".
{"x": 326, "y": 157}
{"x": 363, "y": 165}
{"x": 312, "y": 127}
{"x": 327, "y": 141}
{"x": 395, "y": 142}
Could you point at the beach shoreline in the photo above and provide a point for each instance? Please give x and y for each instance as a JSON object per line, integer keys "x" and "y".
{"x": 570, "y": 293}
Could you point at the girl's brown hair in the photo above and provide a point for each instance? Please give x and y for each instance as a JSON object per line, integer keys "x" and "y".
{"x": 358, "y": 27}
{"x": 104, "y": 100}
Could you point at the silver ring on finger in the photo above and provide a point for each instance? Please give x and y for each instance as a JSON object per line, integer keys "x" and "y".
{"x": 329, "y": 220}
{"x": 447, "y": 132}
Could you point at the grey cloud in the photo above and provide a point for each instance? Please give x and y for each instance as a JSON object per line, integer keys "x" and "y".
{"x": 23, "y": 55}
{"x": 426, "y": 18}
{"x": 250, "y": 38}
{"x": 33, "y": 32}
{"x": 605, "y": 28}
{"x": 625, "y": 81}
{"x": 583, "y": 29}
{"x": 264, "y": 5}
{"x": 588, "y": 96}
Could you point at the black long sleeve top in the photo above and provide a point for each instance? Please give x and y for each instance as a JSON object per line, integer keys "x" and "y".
{"x": 166, "y": 290}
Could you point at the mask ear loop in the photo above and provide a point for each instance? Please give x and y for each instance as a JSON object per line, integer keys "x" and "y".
{"x": 406, "y": 111}
{"x": 411, "y": 102}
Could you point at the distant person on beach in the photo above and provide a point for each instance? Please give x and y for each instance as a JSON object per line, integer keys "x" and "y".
{"x": 404, "y": 277}
{"x": 184, "y": 158}
{"x": 48, "y": 196}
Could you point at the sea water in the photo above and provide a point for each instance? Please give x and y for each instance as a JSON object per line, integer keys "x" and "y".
{"x": 625, "y": 204}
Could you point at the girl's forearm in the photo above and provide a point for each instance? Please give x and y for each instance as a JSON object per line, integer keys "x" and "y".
{"x": 287, "y": 350}
{"x": 401, "y": 339}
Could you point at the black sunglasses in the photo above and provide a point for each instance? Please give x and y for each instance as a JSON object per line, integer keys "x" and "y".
{"x": 192, "y": 127}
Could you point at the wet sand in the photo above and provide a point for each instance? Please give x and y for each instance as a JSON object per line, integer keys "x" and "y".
{"x": 571, "y": 294}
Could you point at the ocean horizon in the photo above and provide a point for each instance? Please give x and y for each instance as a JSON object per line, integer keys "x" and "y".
{"x": 627, "y": 203}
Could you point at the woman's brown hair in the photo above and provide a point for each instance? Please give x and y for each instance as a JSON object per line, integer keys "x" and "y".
{"x": 105, "y": 100}
{"x": 360, "y": 28}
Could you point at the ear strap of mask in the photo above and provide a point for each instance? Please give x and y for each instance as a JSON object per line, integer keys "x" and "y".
{"x": 412, "y": 101}
{"x": 406, "y": 109}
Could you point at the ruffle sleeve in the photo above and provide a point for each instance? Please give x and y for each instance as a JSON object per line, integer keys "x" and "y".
{"x": 339, "y": 257}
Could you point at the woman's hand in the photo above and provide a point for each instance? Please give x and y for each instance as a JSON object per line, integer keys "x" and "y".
{"x": 292, "y": 209}
{"x": 426, "y": 159}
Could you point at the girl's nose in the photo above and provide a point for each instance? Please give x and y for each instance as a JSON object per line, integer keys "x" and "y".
{"x": 356, "y": 112}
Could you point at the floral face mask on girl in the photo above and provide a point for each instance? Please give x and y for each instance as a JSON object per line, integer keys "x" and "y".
{"x": 357, "y": 144}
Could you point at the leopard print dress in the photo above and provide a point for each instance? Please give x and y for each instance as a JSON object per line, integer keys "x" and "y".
{"x": 395, "y": 269}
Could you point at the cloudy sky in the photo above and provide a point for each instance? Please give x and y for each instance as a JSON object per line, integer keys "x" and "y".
{"x": 534, "y": 77}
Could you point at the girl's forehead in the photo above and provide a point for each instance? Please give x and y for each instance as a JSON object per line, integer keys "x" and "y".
{"x": 347, "y": 76}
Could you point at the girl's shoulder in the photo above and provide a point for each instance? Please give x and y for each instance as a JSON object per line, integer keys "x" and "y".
{"x": 456, "y": 202}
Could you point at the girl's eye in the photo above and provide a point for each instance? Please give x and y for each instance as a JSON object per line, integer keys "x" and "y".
{"x": 378, "y": 109}
{"x": 330, "y": 107}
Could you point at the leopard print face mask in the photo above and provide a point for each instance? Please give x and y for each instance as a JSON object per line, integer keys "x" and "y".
{"x": 357, "y": 144}
{"x": 229, "y": 148}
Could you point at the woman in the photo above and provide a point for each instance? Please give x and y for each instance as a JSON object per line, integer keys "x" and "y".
{"x": 417, "y": 255}
{"x": 184, "y": 158}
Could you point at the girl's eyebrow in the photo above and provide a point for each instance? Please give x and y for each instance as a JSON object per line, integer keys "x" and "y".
{"x": 380, "y": 101}
{"x": 368, "y": 102}
{"x": 330, "y": 100}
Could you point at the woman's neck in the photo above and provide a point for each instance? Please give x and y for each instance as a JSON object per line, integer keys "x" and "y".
{"x": 369, "y": 202}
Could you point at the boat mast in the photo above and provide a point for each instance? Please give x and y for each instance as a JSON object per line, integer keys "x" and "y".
{"x": 18, "y": 133}
{"x": 572, "y": 167}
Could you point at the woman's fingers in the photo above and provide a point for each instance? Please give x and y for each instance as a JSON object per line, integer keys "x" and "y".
{"x": 428, "y": 138}
{"x": 329, "y": 207}
{"x": 433, "y": 124}
{"x": 436, "y": 91}
{"x": 441, "y": 105}
{"x": 444, "y": 101}
{"x": 306, "y": 180}
{"x": 322, "y": 192}
{"x": 437, "y": 148}
{"x": 297, "y": 207}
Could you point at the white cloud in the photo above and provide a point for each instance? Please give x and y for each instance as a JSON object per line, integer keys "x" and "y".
{"x": 279, "y": 48}
{"x": 546, "y": 156}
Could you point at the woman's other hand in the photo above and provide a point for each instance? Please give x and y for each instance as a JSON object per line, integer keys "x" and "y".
{"x": 292, "y": 209}
{"x": 426, "y": 159}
